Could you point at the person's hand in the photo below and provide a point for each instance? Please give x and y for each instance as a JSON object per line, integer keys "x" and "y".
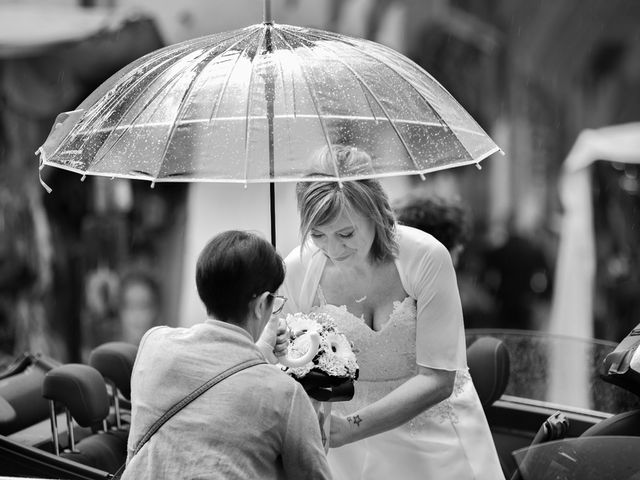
{"x": 274, "y": 339}
{"x": 339, "y": 431}
{"x": 282, "y": 338}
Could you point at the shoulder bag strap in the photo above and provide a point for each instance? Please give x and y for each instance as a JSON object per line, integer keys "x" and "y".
{"x": 192, "y": 396}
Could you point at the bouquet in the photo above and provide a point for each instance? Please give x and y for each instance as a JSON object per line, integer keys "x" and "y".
{"x": 323, "y": 360}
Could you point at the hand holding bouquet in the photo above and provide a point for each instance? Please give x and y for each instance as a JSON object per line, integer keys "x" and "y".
{"x": 320, "y": 357}
{"x": 323, "y": 361}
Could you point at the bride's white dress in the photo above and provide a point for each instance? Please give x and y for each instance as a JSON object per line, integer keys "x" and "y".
{"x": 451, "y": 440}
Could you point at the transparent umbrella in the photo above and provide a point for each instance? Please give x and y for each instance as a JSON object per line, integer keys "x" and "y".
{"x": 252, "y": 105}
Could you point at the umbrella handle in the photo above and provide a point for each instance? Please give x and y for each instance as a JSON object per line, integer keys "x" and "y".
{"x": 314, "y": 346}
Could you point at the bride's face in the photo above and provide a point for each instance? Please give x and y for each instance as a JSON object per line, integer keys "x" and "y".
{"x": 345, "y": 240}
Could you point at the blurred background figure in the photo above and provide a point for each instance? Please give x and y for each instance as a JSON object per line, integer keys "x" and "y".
{"x": 100, "y": 309}
{"x": 503, "y": 284}
{"x": 22, "y": 324}
{"x": 445, "y": 219}
{"x": 139, "y": 305}
{"x": 518, "y": 276}
{"x": 449, "y": 220}
{"x": 119, "y": 306}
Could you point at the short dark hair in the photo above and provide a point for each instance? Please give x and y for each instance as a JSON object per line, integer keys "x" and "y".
{"x": 234, "y": 267}
{"x": 447, "y": 220}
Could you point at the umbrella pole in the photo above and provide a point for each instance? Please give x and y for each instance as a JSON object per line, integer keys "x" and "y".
{"x": 267, "y": 12}
{"x": 269, "y": 94}
{"x": 272, "y": 206}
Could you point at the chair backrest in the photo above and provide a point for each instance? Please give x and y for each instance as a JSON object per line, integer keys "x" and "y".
{"x": 81, "y": 389}
{"x": 83, "y": 392}
{"x": 489, "y": 367}
{"x": 625, "y": 423}
{"x": 114, "y": 360}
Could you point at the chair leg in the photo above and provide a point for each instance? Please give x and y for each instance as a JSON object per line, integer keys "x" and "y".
{"x": 54, "y": 427}
{"x": 116, "y": 404}
{"x": 72, "y": 440}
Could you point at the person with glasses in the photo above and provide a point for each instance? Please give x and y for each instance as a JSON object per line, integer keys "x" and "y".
{"x": 391, "y": 289}
{"x": 278, "y": 303}
{"x": 257, "y": 423}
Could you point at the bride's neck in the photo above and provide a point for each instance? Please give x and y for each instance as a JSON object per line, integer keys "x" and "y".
{"x": 360, "y": 269}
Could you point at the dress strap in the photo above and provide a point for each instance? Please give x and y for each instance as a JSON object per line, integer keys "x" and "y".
{"x": 321, "y": 298}
{"x": 311, "y": 281}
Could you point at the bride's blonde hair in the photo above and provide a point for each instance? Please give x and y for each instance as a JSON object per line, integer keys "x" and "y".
{"x": 321, "y": 201}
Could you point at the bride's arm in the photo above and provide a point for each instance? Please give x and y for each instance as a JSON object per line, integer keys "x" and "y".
{"x": 413, "y": 397}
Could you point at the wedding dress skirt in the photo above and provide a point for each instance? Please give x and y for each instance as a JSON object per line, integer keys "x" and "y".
{"x": 451, "y": 440}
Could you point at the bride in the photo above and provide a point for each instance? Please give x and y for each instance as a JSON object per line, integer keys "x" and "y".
{"x": 393, "y": 292}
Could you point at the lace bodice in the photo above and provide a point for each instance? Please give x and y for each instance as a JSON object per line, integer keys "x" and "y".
{"x": 387, "y": 358}
{"x": 386, "y": 354}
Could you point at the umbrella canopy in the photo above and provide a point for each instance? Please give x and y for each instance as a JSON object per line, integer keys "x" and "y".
{"x": 252, "y": 105}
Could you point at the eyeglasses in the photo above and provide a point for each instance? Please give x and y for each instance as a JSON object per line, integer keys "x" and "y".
{"x": 278, "y": 303}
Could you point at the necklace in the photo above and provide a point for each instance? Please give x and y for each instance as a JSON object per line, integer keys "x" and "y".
{"x": 345, "y": 287}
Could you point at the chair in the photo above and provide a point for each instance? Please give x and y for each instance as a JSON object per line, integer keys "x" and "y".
{"x": 618, "y": 368}
{"x": 114, "y": 360}
{"x": 625, "y": 423}
{"x": 21, "y": 403}
{"x": 489, "y": 367}
{"x": 19, "y": 365}
{"x": 83, "y": 393}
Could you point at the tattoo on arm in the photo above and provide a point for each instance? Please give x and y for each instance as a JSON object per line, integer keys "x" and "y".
{"x": 356, "y": 420}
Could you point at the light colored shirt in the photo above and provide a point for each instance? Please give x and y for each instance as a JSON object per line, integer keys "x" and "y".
{"x": 258, "y": 423}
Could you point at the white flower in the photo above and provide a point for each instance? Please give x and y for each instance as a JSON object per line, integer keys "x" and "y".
{"x": 323, "y": 318}
{"x": 299, "y": 323}
{"x": 299, "y": 344}
{"x": 338, "y": 345}
{"x": 335, "y": 355}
